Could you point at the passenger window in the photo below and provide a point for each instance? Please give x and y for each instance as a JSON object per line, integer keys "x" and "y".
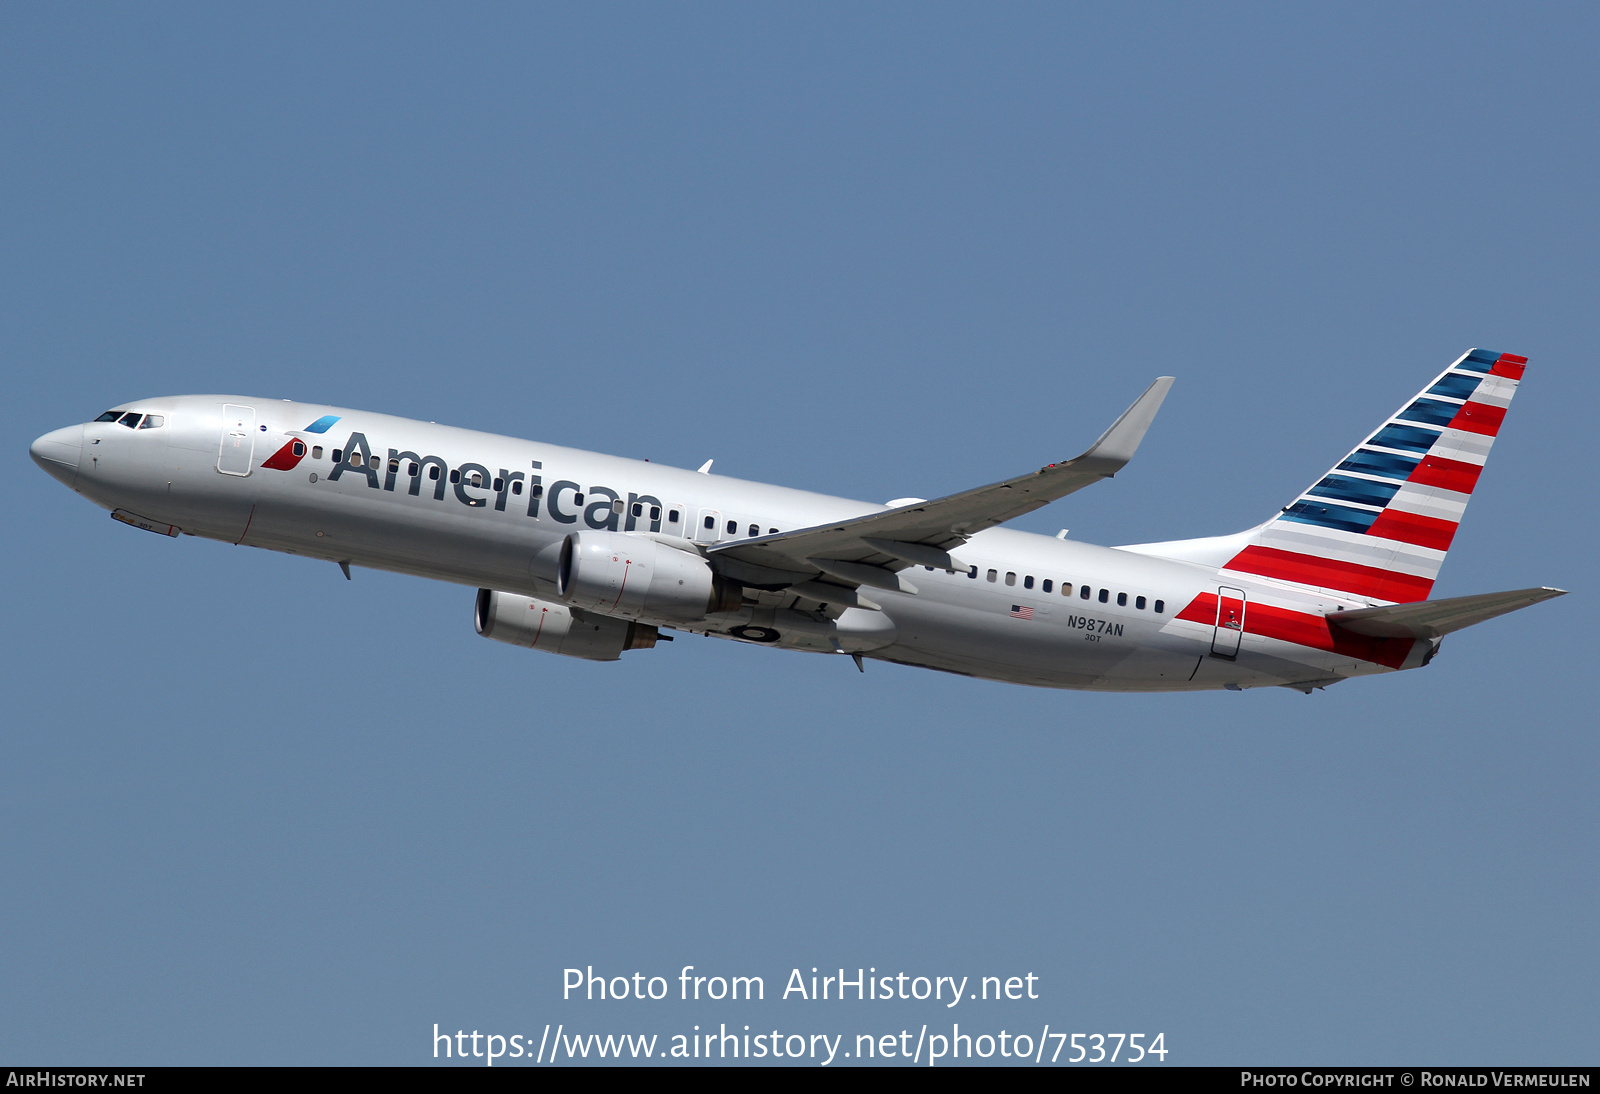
{"x": 537, "y": 490}
{"x": 655, "y": 512}
{"x": 394, "y": 464}
{"x": 577, "y": 499}
{"x": 1085, "y": 592}
{"x": 413, "y": 470}
{"x": 993, "y": 574}
{"x": 1139, "y": 603}
{"x": 1122, "y": 600}
{"x": 1105, "y": 596}
{"x": 733, "y": 527}
{"x": 638, "y": 509}
{"x": 1066, "y": 588}
{"x": 455, "y": 476}
{"x": 516, "y": 486}
{"x": 316, "y": 452}
{"x": 131, "y": 419}
{"x": 672, "y": 517}
{"x": 499, "y": 485}
{"x": 755, "y": 529}
{"x": 618, "y": 505}
{"x": 298, "y": 448}
{"x": 973, "y": 573}
{"x": 711, "y": 523}
{"x": 1027, "y": 582}
{"x": 1161, "y": 606}
{"x": 338, "y": 455}
{"x": 156, "y": 421}
{"x": 1011, "y": 578}
{"x": 109, "y": 416}
{"x": 355, "y": 459}
{"x": 772, "y": 531}
{"x": 1045, "y": 586}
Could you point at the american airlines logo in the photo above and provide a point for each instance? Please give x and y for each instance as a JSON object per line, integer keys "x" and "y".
{"x": 474, "y": 484}
{"x": 289, "y": 456}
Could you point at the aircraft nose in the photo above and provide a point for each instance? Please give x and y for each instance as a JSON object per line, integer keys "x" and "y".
{"x": 58, "y": 451}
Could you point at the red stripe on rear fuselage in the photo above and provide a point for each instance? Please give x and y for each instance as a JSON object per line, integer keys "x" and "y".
{"x": 1304, "y": 629}
{"x": 1331, "y": 573}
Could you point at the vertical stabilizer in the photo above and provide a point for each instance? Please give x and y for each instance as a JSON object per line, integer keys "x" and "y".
{"x": 1377, "y": 526}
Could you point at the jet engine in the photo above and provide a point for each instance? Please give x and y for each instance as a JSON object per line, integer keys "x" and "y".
{"x": 556, "y": 628}
{"x": 638, "y": 577}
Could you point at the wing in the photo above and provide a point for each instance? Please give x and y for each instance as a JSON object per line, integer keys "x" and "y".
{"x": 869, "y": 550}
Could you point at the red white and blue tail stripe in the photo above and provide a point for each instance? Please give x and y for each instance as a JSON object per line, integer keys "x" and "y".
{"x": 1377, "y": 526}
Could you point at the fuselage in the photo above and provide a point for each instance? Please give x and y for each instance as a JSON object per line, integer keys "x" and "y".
{"x": 488, "y": 511}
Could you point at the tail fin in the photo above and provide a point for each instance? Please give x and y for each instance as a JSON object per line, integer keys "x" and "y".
{"x": 1377, "y": 526}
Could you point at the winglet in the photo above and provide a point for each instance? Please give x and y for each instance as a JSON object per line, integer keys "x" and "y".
{"x": 1117, "y": 445}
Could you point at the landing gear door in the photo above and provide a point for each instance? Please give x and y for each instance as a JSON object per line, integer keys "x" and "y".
{"x": 238, "y": 439}
{"x": 708, "y": 526}
{"x": 1230, "y": 623}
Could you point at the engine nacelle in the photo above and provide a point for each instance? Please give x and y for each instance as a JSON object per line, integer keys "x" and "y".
{"x": 637, "y": 577}
{"x": 555, "y": 628}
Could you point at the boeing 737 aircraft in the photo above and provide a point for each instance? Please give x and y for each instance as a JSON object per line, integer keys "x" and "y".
{"x": 589, "y": 556}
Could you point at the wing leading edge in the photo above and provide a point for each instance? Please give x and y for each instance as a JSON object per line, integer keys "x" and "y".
{"x": 868, "y": 550}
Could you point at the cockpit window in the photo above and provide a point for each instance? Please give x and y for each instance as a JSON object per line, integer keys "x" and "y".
{"x": 132, "y": 419}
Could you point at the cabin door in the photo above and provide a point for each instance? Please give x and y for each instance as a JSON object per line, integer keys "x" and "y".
{"x": 238, "y": 439}
{"x": 1230, "y": 623}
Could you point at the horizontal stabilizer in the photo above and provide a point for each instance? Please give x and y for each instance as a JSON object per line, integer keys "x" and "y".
{"x": 1433, "y": 618}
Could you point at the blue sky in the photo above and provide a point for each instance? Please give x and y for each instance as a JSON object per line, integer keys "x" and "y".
{"x": 253, "y": 813}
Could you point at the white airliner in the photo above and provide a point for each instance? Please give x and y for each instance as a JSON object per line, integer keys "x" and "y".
{"x": 590, "y": 555}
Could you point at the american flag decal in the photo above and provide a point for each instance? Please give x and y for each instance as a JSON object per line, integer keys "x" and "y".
{"x": 1020, "y": 611}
